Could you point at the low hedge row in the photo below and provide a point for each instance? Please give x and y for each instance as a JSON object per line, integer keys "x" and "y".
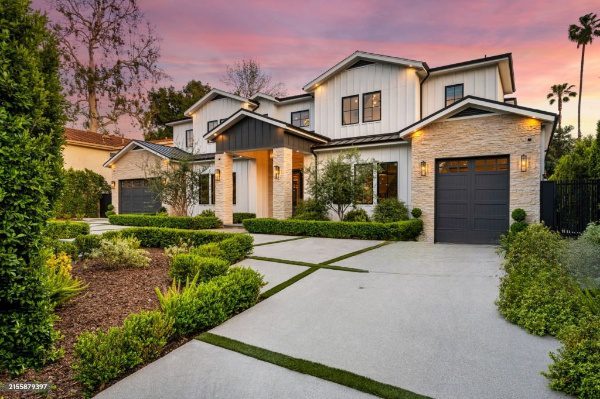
{"x": 188, "y": 266}
{"x": 161, "y": 237}
{"x": 402, "y": 231}
{"x": 177, "y": 222}
{"x": 65, "y": 229}
{"x": 238, "y": 217}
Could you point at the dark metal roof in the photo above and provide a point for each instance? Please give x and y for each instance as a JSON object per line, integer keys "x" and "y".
{"x": 307, "y": 95}
{"x": 361, "y": 140}
{"x": 173, "y": 153}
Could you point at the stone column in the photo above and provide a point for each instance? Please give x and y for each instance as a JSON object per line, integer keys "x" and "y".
{"x": 224, "y": 188}
{"x": 282, "y": 186}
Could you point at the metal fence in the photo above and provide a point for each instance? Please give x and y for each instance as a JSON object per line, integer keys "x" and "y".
{"x": 569, "y": 206}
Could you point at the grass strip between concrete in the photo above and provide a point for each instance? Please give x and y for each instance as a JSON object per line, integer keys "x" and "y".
{"x": 338, "y": 376}
{"x": 278, "y": 241}
{"x": 307, "y": 264}
{"x": 351, "y": 254}
{"x": 287, "y": 283}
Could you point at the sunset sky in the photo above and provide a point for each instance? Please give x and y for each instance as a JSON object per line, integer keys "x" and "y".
{"x": 297, "y": 40}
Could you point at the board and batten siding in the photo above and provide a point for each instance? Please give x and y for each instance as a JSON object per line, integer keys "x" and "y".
{"x": 283, "y": 112}
{"x": 399, "y": 88}
{"x": 385, "y": 153}
{"x": 213, "y": 110}
{"x": 179, "y": 135}
{"x": 480, "y": 82}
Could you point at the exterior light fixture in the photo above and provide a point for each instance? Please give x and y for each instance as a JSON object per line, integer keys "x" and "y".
{"x": 113, "y": 184}
{"x": 113, "y": 166}
{"x": 276, "y": 172}
{"x": 423, "y": 168}
{"x": 218, "y": 175}
{"x": 524, "y": 163}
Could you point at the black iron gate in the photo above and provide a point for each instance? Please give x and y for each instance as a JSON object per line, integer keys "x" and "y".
{"x": 569, "y": 206}
{"x": 105, "y": 201}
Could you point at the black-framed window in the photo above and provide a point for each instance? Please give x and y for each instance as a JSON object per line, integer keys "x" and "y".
{"x": 212, "y": 189}
{"x": 350, "y": 110}
{"x": 372, "y": 106}
{"x": 454, "y": 93}
{"x": 234, "y": 188}
{"x": 203, "y": 189}
{"x": 387, "y": 180}
{"x": 189, "y": 138}
{"x": 301, "y": 118}
{"x": 366, "y": 196}
{"x": 222, "y": 120}
{"x": 210, "y": 125}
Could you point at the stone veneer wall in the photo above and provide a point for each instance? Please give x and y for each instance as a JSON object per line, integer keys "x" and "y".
{"x": 282, "y": 187}
{"x": 480, "y": 136}
{"x": 224, "y": 188}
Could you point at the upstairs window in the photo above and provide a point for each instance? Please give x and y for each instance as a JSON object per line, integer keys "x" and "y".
{"x": 372, "y": 106}
{"x": 350, "y": 110}
{"x": 301, "y": 118}
{"x": 211, "y": 125}
{"x": 454, "y": 93}
{"x": 387, "y": 180}
{"x": 189, "y": 138}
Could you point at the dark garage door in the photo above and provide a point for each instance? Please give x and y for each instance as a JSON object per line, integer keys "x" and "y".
{"x": 471, "y": 199}
{"x": 135, "y": 196}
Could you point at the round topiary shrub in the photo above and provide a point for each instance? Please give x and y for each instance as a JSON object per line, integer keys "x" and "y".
{"x": 519, "y": 215}
{"x": 518, "y": 227}
{"x": 416, "y": 213}
{"x": 311, "y": 209}
{"x": 356, "y": 215}
{"x": 390, "y": 210}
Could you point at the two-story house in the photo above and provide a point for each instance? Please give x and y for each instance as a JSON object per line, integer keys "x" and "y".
{"x": 447, "y": 139}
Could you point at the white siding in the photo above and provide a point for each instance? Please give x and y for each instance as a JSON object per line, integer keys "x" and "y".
{"x": 388, "y": 153}
{"x": 284, "y": 112}
{"x": 179, "y": 134}
{"x": 480, "y": 82}
{"x": 399, "y": 93}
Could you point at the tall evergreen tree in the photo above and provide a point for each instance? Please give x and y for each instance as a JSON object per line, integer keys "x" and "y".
{"x": 31, "y": 130}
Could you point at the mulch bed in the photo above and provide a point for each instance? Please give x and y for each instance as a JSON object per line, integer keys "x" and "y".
{"x": 110, "y": 297}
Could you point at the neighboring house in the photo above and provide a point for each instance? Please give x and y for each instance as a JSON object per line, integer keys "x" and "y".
{"x": 89, "y": 150}
{"x": 447, "y": 140}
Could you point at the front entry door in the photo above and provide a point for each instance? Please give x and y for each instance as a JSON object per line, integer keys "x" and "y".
{"x": 297, "y": 188}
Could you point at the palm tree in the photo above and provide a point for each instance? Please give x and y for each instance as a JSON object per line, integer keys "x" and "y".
{"x": 583, "y": 35}
{"x": 560, "y": 94}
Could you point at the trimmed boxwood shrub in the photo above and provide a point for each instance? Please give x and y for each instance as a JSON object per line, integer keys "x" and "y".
{"x": 101, "y": 357}
{"x": 416, "y": 213}
{"x": 390, "y": 210}
{"x": 199, "y": 306}
{"x": 518, "y": 215}
{"x": 66, "y": 229}
{"x": 177, "y": 222}
{"x": 161, "y": 237}
{"x": 57, "y": 246}
{"x": 356, "y": 215}
{"x": 403, "y": 231}
{"x": 237, "y": 247}
{"x": 86, "y": 243}
{"x": 188, "y": 266}
{"x": 238, "y": 217}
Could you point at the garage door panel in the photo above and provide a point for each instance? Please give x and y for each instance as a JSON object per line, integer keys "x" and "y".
{"x": 492, "y": 211}
{"x": 452, "y": 223}
{"x": 487, "y": 224}
{"x": 135, "y": 196}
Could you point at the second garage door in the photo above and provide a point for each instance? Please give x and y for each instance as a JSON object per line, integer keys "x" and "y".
{"x": 135, "y": 196}
{"x": 471, "y": 199}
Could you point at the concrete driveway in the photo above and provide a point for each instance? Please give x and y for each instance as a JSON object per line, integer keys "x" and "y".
{"x": 422, "y": 319}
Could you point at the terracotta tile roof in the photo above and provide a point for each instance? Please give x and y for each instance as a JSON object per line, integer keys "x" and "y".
{"x": 85, "y": 137}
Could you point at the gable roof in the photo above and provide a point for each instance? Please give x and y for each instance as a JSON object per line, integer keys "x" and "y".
{"x": 244, "y": 113}
{"x": 504, "y": 62}
{"x": 358, "y": 56}
{"x": 86, "y": 138}
{"x": 482, "y": 103}
{"x": 213, "y": 94}
{"x": 162, "y": 151}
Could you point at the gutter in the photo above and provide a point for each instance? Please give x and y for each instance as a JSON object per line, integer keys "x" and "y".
{"x": 421, "y": 94}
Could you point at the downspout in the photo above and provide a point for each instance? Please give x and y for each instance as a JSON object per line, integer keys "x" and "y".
{"x": 421, "y": 93}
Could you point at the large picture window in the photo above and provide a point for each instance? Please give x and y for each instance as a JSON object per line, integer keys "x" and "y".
{"x": 454, "y": 93}
{"x": 372, "y": 106}
{"x": 189, "y": 138}
{"x": 301, "y": 118}
{"x": 366, "y": 195}
{"x": 203, "y": 189}
{"x": 387, "y": 180}
{"x": 350, "y": 110}
{"x": 211, "y": 125}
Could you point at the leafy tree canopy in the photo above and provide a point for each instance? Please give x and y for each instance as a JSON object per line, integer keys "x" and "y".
{"x": 562, "y": 143}
{"x": 583, "y": 162}
{"x": 81, "y": 194}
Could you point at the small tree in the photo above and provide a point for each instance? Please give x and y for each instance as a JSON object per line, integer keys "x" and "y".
{"x": 176, "y": 184}
{"x": 559, "y": 94}
{"x": 81, "y": 194}
{"x": 336, "y": 185}
{"x": 562, "y": 143}
{"x": 576, "y": 164}
{"x": 246, "y": 78}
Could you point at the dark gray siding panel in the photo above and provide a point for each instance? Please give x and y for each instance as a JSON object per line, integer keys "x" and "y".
{"x": 252, "y": 134}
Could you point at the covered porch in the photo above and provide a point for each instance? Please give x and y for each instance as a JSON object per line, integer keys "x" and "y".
{"x": 278, "y": 154}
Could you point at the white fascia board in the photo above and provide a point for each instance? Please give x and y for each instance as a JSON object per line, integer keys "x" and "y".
{"x": 181, "y": 122}
{"x": 126, "y": 149}
{"x": 209, "y": 96}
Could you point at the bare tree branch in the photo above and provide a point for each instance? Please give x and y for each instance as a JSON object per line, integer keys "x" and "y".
{"x": 246, "y": 78}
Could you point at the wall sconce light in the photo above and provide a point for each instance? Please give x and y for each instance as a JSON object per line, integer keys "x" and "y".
{"x": 218, "y": 175}
{"x": 276, "y": 172}
{"x": 113, "y": 166}
{"x": 524, "y": 163}
{"x": 113, "y": 184}
{"x": 423, "y": 168}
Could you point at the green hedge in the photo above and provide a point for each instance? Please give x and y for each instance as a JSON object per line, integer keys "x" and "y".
{"x": 204, "y": 268}
{"x": 176, "y": 222}
{"x": 66, "y": 229}
{"x": 161, "y": 237}
{"x": 238, "y": 217}
{"x": 404, "y": 230}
